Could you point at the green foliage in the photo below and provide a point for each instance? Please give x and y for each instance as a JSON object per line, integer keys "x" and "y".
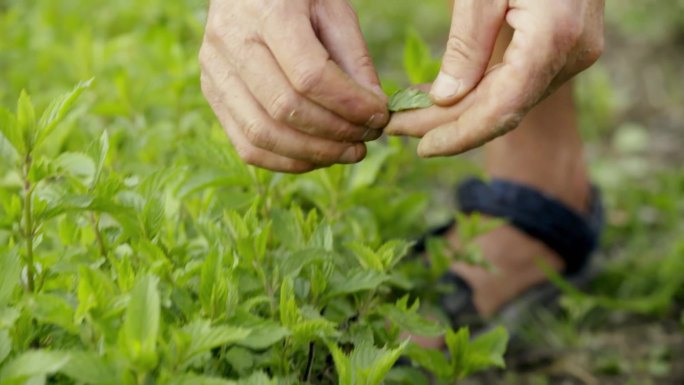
{"x": 203, "y": 271}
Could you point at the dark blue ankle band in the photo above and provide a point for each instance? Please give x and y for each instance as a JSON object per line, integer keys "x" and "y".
{"x": 550, "y": 221}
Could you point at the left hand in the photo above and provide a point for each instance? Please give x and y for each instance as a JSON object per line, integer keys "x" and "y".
{"x": 552, "y": 41}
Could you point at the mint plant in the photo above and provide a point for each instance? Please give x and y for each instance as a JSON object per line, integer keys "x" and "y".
{"x": 185, "y": 276}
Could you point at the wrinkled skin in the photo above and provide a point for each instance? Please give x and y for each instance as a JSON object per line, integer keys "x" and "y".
{"x": 291, "y": 82}
{"x": 551, "y": 42}
{"x": 293, "y": 85}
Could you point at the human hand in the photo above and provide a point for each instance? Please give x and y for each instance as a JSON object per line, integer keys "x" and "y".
{"x": 552, "y": 41}
{"x": 291, "y": 82}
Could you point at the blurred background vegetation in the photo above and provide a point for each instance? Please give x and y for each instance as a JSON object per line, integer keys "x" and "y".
{"x": 629, "y": 330}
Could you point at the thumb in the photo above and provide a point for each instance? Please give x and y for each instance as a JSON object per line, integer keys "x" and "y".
{"x": 475, "y": 25}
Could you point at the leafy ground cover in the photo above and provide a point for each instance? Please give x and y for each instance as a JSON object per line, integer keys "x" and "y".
{"x": 135, "y": 248}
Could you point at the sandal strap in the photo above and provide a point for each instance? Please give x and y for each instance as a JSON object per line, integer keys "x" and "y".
{"x": 542, "y": 217}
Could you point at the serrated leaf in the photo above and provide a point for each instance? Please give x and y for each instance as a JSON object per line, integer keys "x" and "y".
{"x": 32, "y": 364}
{"x": 141, "y": 324}
{"x": 409, "y": 99}
{"x": 410, "y": 321}
{"x": 204, "y": 337}
{"x": 53, "y": 309}
{"x": 78, "y": 165}
{"x": 263, "y": 335}
{"x": 11, "y": 131}
{"x": 360, "y": 280}
{"x": 10, "y": 269}
{"x": 102, "y": 151}
{"x": 90, "y": 368}
{"x": 57, "y": 109}
{"x": 258, "y": 378}
{"x": 343, "y": 365}
{"x": 488, "y": 349}
{"x": 194, "y": 379}
{"x": 5, "y": 345}
{"x": 26, "y": 120}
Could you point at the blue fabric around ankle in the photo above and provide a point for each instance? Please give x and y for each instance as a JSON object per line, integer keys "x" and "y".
{"x": 571, "y": 235}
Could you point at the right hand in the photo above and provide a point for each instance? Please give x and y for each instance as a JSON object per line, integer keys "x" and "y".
{"x": 291, "y": 82}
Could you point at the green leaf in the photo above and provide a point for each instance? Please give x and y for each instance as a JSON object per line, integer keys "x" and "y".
{"x": 11, "y": 131}
{"x": 57, "y": 110}
{"x": 78, "y": 165}
{"x": 409, "y": 99}
{"x": 343, "y": 365}
{"x": 32, "y": 364}
{"x": 359, "y": 280}
{"x": 264, "y": 334}
{"x": 204, "y": 337}
{"x": 409, "y": 320}
{"x": 10, "y": 270}
{"x": 487, "y": 350}
{"x": 53, "y": 309}
{"x": 5, "y": 345}
{"x": 102, "y": 151}
{"x": 90, "y": 368}
{"x": 26, "y": 120}
{"x": 141, "y": 325}
{"x": 289, "y": 313}
{"x": 193, "y": 379}
{"x": 431, "y": 359}
{"x": 258, "y": 378}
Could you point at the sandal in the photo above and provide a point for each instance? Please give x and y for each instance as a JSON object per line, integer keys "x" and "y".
{"x": 572, "y": 236}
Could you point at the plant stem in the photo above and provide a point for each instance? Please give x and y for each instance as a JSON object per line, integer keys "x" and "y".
{"x": 28, "y": 224}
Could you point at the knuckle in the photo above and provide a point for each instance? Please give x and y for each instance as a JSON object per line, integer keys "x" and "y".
{"x": 283, "y": 106}
{"x": 258, "y": 135}
{"x": 507, "y": 123}
{"x": 307, "y": 76}
{"x": 322, "y": 156}
{"x": 459, "y": 49}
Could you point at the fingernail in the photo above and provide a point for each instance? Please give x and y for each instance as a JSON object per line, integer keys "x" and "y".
{"x": 376, "y": 121}
{"x": 446, "y": 87}
{"x": 349, "y": 155}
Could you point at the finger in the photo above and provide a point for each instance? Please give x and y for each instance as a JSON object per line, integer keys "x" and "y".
{"x": 502, "y": 98}
{"x": 474, "y": 28}
{"x": 248, "y": 153}
{"x": 310, "y": 70}
{"x": 341, "y": 34}
{"x": 268, "y": 134}
{"x": 286, "y": 105}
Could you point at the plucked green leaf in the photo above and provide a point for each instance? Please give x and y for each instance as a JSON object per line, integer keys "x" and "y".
{"x": 32, "y": 364}
{"x": 409, "y": 99}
